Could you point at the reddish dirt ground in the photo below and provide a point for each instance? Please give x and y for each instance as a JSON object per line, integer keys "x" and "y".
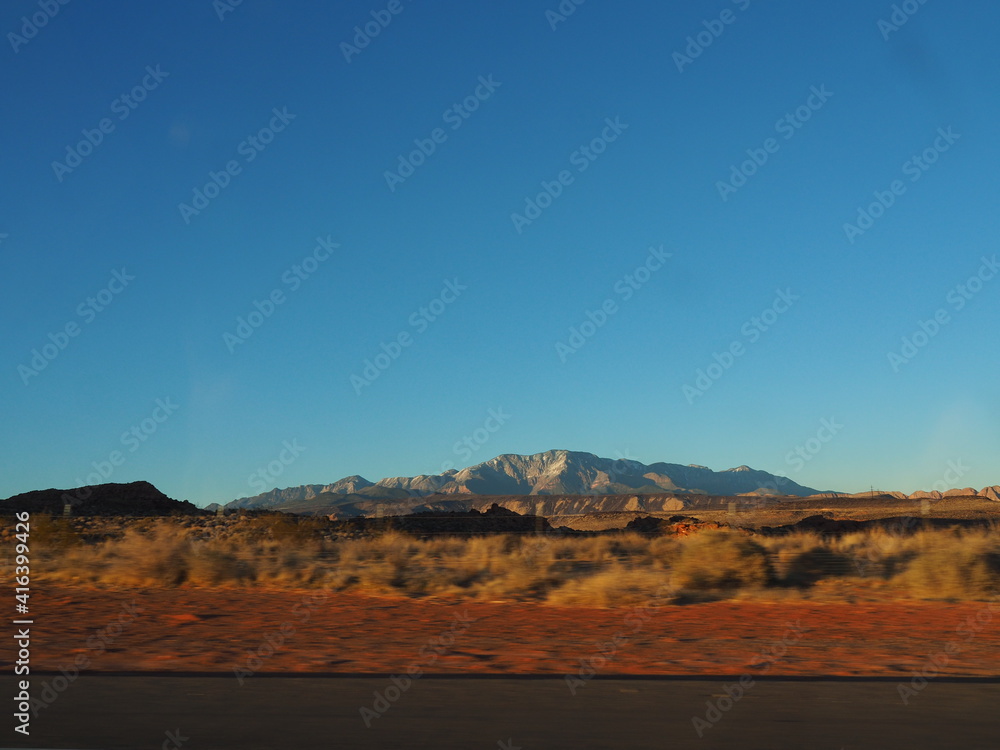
{"x": 212, "y": 630}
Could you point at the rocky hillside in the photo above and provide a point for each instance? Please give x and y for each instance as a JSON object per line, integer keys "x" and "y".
{"x": 132, "y": 499}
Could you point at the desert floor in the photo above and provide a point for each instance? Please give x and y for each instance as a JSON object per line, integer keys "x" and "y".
{"x": 262, "y": 631}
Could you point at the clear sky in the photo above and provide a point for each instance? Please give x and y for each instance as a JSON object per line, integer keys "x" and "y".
{"x": 126, "y": 265}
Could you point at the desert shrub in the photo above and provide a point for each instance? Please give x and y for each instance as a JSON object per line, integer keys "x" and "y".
{"x": 214, "y": 567}
{"x": 806, "y": 567}
{"x": 162, "y": 554}
{"x": 617, "y": 586}
{"x": 804, "y": 558}
{"x": 953, "y": 566}
{"x": 630, "y": 547}
{"x": 305, "y": 563}
{"x": 157, "y": 557}
{"x": 664, "y": 551}
{"x": 877, "y": 553}
{"x": 526, "y": 574}
{"x": 718, "y": 560}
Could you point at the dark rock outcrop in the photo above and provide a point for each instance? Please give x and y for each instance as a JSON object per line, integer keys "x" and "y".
{"x": 133, "y": 499}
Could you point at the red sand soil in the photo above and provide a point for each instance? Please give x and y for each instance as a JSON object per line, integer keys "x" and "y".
{"x": 212, "y": 631}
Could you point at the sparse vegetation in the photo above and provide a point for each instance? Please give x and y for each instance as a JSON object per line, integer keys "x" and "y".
{"x": 608, "y": 570}
{"x": 721, "y": 560}
{"x": 956, "y": 566}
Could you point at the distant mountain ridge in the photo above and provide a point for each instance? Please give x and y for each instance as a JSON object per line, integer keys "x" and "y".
{"x": 556, "y": 472}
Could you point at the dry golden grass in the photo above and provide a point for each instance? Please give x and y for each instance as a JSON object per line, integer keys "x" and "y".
{"x": 612, "y": 570}
{"x": 960, "y": 566}
{"x": 720, "y": 560}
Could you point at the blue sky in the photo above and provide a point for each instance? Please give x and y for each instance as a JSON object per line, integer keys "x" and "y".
{"x": 317, "y": 177}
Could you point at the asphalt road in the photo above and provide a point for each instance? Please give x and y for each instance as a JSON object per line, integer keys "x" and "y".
{"x": 632, "y": 714}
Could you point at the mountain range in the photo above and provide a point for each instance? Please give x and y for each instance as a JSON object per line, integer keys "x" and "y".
{"x": 557, "y": 472}
{"x": 547, "y": 484}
